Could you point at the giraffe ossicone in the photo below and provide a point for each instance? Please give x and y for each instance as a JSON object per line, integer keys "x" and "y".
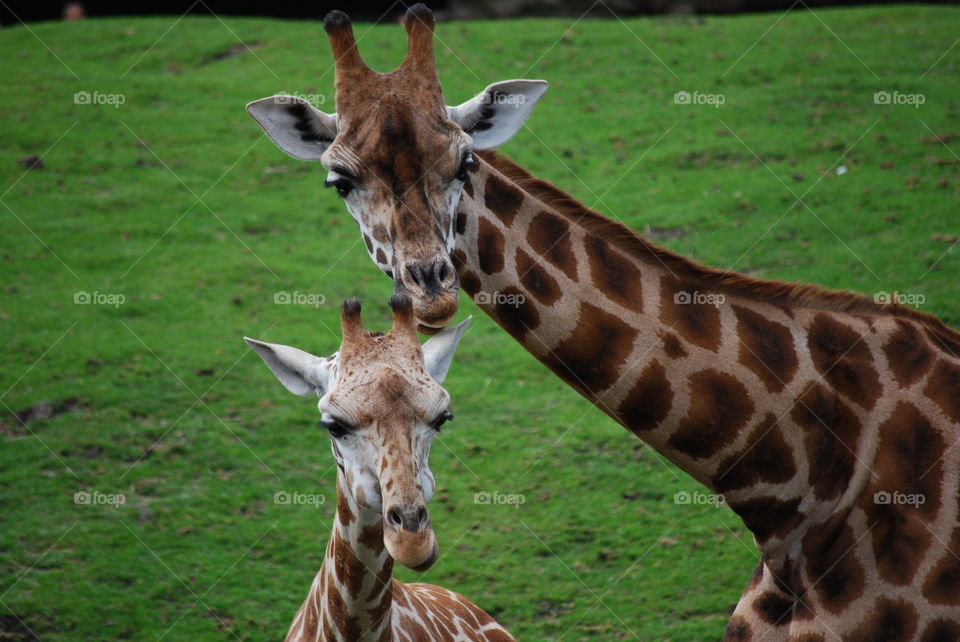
{"x": 822, "y": 417}
{"x": 381, "y": 400}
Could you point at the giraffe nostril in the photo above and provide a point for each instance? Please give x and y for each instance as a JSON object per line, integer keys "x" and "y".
{"x": 422, "y": 517}
{"x": 394, "y": 518}
{"x": 413, "y": 273}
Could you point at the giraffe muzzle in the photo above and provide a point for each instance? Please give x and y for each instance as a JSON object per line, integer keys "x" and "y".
{"x": 435, "y": 289}
{"x": 409, "y": 538}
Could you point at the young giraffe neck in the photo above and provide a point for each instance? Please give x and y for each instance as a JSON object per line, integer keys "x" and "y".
{"x": 798, "y": 404}
{"x": 352, "y": 595}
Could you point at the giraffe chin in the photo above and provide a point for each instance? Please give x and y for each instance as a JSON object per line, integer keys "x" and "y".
{"x": 434, "y": 313}
{"x": 417, "y": 551}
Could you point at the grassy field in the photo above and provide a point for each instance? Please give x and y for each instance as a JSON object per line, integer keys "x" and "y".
{"x": 174, "y": 201}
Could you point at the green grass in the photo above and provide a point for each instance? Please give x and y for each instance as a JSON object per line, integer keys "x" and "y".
{"x": 174, "y": 412}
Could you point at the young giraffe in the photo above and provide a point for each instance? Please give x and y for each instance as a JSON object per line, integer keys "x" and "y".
{"x": 381, "y": 400}
{"x": 806, "y": 408}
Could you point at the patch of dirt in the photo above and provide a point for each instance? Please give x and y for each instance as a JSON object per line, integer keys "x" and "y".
{"x": 16, "y": 423}
{"x": 31, "y": 162}
{"x": 13, "y": 628}
{"x": 232, "y": 51}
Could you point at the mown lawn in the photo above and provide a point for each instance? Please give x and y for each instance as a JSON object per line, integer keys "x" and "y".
{"x": 175, "y": 201}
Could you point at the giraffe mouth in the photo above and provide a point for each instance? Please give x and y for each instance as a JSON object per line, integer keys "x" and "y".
{"x": 427, "y": 563}
{"x": 434, "y": 313}
{"x": 416, "y": 550}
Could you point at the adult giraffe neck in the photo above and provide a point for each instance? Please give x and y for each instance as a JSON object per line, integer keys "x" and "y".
{"x": 352, "y": 592}
{"x": 750, "y": 395}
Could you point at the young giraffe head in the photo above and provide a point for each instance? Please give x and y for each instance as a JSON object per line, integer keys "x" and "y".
{"x": 398, "y": 156}
{"x": 381, "y": 401}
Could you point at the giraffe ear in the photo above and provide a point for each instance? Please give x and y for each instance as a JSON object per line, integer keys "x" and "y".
{"x": 498, "y": 112}
{"x": 438, "y": 350}
{"x": 296, "y": 126}
{"x": 300, "y": 372}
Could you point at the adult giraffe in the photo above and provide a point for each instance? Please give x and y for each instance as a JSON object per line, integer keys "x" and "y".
{"x": 823, "y": 417}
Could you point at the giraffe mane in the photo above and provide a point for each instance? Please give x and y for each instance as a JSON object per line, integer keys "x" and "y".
{"x": 770, "y": 291}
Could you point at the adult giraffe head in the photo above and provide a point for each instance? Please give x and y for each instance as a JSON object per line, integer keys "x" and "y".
{"x": 381, "y": 401}
{"x": 398, "y": 156}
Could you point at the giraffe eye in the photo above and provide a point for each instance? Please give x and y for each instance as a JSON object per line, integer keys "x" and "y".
{"x": 335, "y": 427}
{"x": 442, "y": 419}
{"x": 466, "y": 164}
{"x": 342, "y": 185}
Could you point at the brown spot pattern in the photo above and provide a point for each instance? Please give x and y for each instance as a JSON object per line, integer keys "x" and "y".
{"x": 536, "y": 279}
{"x": 946, "y": 343}
{"x": 943, "y": 387}
{"x": 515, "y": 318}
{"x": 833, "y": 565}
{"x": 767, "y": 517}
{"x": 831, "y": 432}
{"x": 613, "y": 274}
{"x": 719, "y": 407}
{"x": 649, "y": 400}
{"x": 774, "y": 608}
{"x": 907, "y": 463}
{"x": 502, "y": 198}
{"x": 672, "y": 346}
{"x": 490, "y": 247}
{"x": 766, "y": 348}
{"x": 591, "y": 356}
{"x": 941, "y": 630}
{"x": 698, "y": 323}
{"x": 844, "y": 360}
{"x": 890, "y": 620}
{"x": 768, "y": 459}
{"x": 908, "y": 356}
{"x": 738, "y": 630}
{"x": 549, "y": 236}
{"x": 942, "y": 584}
